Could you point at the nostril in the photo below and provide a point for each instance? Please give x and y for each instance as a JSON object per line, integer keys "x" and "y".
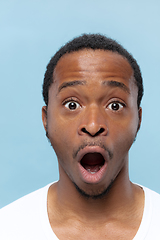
{"x": 84, "y": 130}
{"x": 101, "y": 130}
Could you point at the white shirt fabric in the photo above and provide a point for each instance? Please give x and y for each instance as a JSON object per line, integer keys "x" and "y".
{"x": 27, "y": 218}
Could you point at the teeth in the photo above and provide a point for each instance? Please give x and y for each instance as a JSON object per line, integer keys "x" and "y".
{"x": 93, "y": 171}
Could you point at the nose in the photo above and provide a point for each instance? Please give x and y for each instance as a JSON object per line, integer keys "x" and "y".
{"x": 93, "y": 123}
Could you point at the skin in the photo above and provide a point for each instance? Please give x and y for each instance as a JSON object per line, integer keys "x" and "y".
{"x": 105, "y": 118}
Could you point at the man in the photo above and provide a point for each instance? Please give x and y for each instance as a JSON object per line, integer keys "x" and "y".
{"x": 92, "y": 90}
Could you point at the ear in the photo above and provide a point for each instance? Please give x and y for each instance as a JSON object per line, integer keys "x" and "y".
{"x": 140, "y": 118}
{"x": 44, "y": 117}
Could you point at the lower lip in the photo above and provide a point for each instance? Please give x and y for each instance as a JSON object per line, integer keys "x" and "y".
{"x": 92, "y": 177}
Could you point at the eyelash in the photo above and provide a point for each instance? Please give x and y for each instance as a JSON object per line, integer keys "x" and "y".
{"x": 120, "y": 104}
{"x": 71, "y": 100}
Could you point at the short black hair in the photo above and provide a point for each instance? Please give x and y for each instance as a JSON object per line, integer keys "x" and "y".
{"x": 92, "y": 41}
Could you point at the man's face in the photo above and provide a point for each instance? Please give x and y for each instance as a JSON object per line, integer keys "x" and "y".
{"x": 92, "y": 118}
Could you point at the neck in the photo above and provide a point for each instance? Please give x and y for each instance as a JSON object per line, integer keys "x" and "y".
{"x": 121, "y": 198}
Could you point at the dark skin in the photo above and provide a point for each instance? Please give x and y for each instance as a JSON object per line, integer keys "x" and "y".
{"x": 92, "y": 110}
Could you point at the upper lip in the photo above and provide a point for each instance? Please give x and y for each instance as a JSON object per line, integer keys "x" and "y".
{"x": 92, "y": 149}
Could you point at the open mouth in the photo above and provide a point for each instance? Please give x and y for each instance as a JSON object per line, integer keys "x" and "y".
{"x": 92, "y": 162}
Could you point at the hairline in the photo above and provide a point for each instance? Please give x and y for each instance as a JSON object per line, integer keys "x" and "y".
{"x": 89, "y": 48}
{"x": 92, "y": 42}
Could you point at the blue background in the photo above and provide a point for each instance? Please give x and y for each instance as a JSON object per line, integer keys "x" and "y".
{"x": 31, "y": 32}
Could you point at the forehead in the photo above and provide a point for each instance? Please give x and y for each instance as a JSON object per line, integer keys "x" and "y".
{"x": 89, "y": 62}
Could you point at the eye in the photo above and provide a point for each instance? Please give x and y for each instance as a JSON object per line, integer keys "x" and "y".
{"x": 72, "y": 105}
{"x": 115, "y": 106}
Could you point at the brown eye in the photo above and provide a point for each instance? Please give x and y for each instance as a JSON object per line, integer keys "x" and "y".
{"x": 115, "y": 106}
{"x": 72, "y": 105}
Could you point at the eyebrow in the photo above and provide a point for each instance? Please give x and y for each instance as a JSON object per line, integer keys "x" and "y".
{"x": 116, "y": 84}
{"x": 71, "y": 84}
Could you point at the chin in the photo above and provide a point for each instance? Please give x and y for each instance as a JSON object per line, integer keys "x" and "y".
{"x": 94, "y": 193}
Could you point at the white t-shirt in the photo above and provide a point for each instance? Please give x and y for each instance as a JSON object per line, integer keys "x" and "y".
{"x": 27, "y": 218}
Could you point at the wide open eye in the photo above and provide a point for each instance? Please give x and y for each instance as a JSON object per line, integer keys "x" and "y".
{"x": 72, "y": 105}
{"x": 115, "y": 106}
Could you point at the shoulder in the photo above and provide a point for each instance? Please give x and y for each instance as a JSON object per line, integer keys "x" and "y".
{"x": 152, "y": 196}
{"x": 151, "y": 217}
{"x": 152, "y": 201}
{"x": 23, "y": 215}
{"x": 25, "y": 203}
{"x": 149, "y": 227}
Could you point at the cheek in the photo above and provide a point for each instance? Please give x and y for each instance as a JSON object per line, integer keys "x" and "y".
{"x": 61, "y": 136}
{"x": 124, "y": 134}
